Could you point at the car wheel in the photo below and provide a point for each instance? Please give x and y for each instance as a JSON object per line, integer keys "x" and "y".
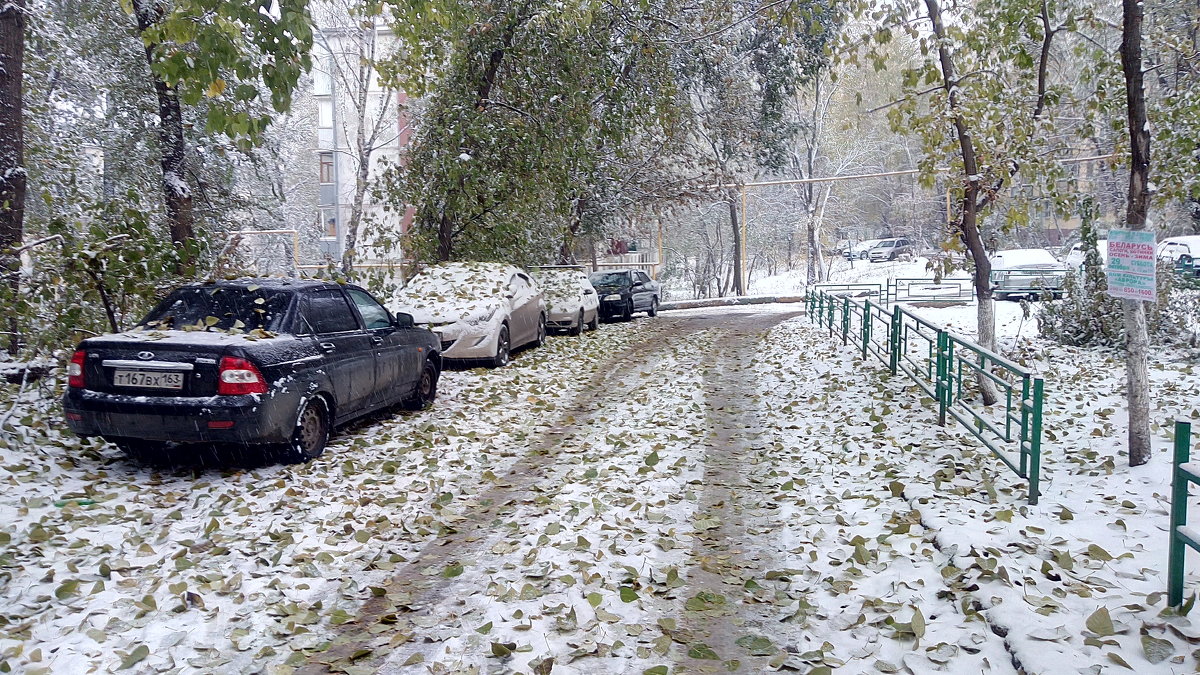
{"x": 627, "y": 312}
{"x": 541, "y": 334}
{"x": 503, "y": 348}
{"x": 653, "y": 311}
{"x": 578, "y": 327}
{"x": 426, "y": 390}
{"x": 312, "y": 431}
{"x": 595, "y": 322}
{"x": 1002, "y": 296}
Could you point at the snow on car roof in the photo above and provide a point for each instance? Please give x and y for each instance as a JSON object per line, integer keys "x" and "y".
{"x": 1191, "y": 241}
{"x": 1022, "y": 256}
{"x": 461, "y": 288}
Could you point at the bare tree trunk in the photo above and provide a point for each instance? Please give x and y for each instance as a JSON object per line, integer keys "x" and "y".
{"x": 968, "y": 223}
{"x": 177, "y": 196}
{"x": 356, "y": 210}
{"x": 1137, "y": 208}
{"x": 445, "y": 238}
{"x": 734, "y": 223}
{"x": 12, "y": 150}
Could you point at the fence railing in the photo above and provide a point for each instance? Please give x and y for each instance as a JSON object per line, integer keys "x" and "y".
{"x": 930, "y": 291}
{"x": 906, "y": 290}
{"x": 955, "y": 372}
{"x": 1184, "y": 472}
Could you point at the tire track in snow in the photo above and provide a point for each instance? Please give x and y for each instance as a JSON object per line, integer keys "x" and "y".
{"x": 718, "y": 613}
{"x": 467, "y": 544}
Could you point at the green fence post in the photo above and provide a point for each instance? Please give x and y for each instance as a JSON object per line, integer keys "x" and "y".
{"x": 1035, "y": 441}
{"x": 942, "y": 386}
{"x": 1179, "y": 498}
{"x": 845, "y": 320}
{"x": 866, "y": 327}
{"x": 831, "y": 310}
{"x": 894, "y": 340}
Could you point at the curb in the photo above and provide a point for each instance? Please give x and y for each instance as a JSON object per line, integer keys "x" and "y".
{"x": 729, "y": 302}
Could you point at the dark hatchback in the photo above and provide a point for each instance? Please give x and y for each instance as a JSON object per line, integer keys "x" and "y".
{"x": 626, "y": 291}
{"x": 276, "y": 362}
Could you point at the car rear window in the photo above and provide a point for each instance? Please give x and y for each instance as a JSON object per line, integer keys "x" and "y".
{"x": 610, "y": 279}
{"x": 221, "y": 308}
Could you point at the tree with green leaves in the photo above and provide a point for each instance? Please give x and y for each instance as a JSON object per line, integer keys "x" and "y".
{"x": 981, "y": 99}
{"x": 195, "y": 49}
{"x": 521, "y": 100}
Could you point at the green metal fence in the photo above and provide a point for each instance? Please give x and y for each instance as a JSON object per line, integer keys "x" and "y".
{"x": 1184, "y": 472}
{"x": 950, "y": 370}
{"x": 930, "y": 291}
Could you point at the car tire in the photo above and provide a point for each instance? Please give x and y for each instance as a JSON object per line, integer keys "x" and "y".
{"x": 594, "y": 324}
{"x": 541, "y": 332}
{"x": 426, "y": 391}
{"x": 627, "y": 311}
{"x": 653, "y": 311}
{"x": 503, "y": 348}
{"x": 577, "y": 329}
{"x": 311, "y": 434}
{"x": 1002, "y": 296}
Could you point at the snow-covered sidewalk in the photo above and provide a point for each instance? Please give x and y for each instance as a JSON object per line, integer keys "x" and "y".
{"x": 717, "y": 489}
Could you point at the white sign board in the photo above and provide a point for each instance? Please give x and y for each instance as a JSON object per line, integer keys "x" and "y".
{"x": 1131, "y": 270}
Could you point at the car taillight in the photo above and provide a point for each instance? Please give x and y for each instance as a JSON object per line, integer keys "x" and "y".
{"x": 75, "y": 377}
{"x": 239, "y": 376}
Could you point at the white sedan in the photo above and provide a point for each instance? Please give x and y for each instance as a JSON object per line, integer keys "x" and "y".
{"x": 1027, "y": 272}
{"x": 571, "y": 301}
{"x": 480, "y": 311}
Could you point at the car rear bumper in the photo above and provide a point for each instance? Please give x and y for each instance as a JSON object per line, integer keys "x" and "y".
{"x": 614, "y": 307}
{"x": 248, "y": 419}
{"x": 562, "y": 320}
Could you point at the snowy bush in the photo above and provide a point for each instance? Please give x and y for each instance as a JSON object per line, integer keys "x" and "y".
{"x": 1089, "y": 317}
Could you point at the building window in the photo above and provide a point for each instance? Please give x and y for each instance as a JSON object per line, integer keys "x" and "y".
{"x": 329, "y": 229}
{"x": 326, "y": 167}
{"x": 322, "y": 81}
{"x": 325, "y": 114}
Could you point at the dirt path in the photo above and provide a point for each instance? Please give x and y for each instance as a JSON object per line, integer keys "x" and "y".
{"x": 413, "y": 589}
{"x": 720, "y": 610}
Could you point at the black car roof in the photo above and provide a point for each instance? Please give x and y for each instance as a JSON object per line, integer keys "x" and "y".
{"x": 279, "y": 283}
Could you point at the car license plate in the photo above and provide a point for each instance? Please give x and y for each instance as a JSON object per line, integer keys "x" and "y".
{"x": 148, "y": 379}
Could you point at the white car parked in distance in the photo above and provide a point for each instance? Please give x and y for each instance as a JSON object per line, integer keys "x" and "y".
{"x": 478, "y": 310}
{"x": 1075, "y": 257}
{"x": 1027, "y": 272}
{"x": 571, "y": 301}
{"x": 1176, "y": 249}
{"x": 859, "y": 251}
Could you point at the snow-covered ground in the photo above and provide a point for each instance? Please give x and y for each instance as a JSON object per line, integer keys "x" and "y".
{"x": 716, "y": 489}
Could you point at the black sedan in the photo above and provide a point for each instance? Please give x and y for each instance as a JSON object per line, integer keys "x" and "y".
{"x": 624, "y": 292}
{"x": 250, "y": 362}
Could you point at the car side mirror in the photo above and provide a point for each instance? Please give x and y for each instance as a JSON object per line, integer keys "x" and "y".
{"x": 588, "y": 291}
{"x": 402, "y": 320}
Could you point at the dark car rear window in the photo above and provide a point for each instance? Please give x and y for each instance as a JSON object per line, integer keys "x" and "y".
{"x": 610, "y": 279}
{"x": 221, "y": 308}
